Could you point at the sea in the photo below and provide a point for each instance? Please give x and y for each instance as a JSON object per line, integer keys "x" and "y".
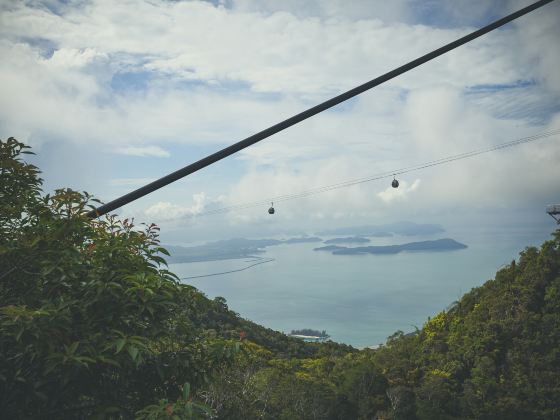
{"x": 358, "y": 299}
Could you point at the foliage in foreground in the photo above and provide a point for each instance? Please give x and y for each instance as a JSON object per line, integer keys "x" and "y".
{"x": 91, "y": 322}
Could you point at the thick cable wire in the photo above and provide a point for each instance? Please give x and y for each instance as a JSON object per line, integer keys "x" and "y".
{"x": 381, "y": 175}
{"x": 308, "y": 113}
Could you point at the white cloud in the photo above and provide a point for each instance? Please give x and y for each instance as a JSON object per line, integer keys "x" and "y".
{"x": 72, "y": 57}
{"x": 305, "y": 57}
{"x": 211, "y": 75}
{"x": 199, "y": 41}
{"x": 163, "y": 211}
{"x": 542, "y": 31}
{"x": 396, "y": 10}
{"x": 143, "y": 151}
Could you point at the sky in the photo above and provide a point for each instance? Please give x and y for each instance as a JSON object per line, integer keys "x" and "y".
{"x": 114, "y": 94}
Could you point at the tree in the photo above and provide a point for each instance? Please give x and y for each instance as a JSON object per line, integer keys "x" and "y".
{"x": 91, "y": 321}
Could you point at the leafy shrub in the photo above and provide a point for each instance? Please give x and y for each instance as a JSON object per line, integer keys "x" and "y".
{"x": 91, "y": 321}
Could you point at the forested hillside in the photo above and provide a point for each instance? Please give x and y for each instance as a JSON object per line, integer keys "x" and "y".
{"x": 92, "y": 324}
{"x": 495, "y": 354}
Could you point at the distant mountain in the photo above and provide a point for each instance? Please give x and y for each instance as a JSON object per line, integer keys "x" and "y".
{"x": 229, "y": 249}
{"x": 398, "y": 228}
{"x": 349, "y": 240}
{"x": 431, "y": 246}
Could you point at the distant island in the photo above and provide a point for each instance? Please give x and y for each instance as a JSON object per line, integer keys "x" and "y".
{"x": 229, "y": 249}
{"x": 430, "y": 246}
{"x": 390, "y": 229}
{"x": 349, "y": 240}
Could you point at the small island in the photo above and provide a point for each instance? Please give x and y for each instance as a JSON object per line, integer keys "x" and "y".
{"x": 438, "y": 245}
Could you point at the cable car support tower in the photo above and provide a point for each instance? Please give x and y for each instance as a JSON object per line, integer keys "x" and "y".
{"x": 554, "y": 211}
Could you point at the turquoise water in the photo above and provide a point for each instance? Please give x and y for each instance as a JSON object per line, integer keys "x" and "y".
{"x": 358, "y": 299}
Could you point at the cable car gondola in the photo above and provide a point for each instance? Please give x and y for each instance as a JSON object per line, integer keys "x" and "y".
{"x": 271, "y": 209}
{"x": 395, "y": 183}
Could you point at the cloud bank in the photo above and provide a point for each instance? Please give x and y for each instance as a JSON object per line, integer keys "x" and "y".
{"x": 155, "y": 79}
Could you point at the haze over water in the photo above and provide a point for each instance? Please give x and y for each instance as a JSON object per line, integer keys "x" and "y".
{"x": 359, "y": 299}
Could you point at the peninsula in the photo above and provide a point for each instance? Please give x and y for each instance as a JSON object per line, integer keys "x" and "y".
{"x": 229, "y": 249}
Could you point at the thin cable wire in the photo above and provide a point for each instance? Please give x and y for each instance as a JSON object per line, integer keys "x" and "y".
{"x": 382, "y": 175}
{"x": 262, "y": 261}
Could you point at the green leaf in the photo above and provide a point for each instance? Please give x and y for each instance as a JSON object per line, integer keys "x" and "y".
{"x": 133, "y": 351}
{"x": 164, "y": 251}
{"x": 19, "y": 334}
{"x": 120, "y": 344}
{"x": 73, "y": 347}
{"x": 41, "y": 396}
{"x": 186, "y": 390}
{"x": 85, "y": 359}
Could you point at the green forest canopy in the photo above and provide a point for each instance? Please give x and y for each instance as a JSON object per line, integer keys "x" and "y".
{"x": 92, "y": 324}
